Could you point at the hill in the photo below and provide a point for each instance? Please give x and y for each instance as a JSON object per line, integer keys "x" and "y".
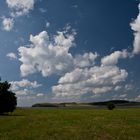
{"x": 91, "y": 104}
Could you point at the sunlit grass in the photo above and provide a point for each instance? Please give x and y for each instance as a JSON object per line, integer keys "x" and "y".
{"x": 71, "y": 124}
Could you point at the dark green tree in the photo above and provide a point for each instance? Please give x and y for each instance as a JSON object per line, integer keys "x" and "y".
{"x": 8, "y": 100}
{"x": 110, "y": 106}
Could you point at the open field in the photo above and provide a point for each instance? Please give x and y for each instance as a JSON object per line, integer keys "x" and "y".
{"x": 71, "y": 124}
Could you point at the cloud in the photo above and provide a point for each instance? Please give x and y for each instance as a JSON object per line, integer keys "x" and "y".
{"x": 45, "y": 55}
{"x": 11, "y": 56}
{"x": 42, "y": 10}
{"x": 117, "y": 88}
{"x": 75, "y": 6}
{"x": 137, "y": 98}
{"x": 135, "y": 26}
{"x": 94, "y": 80}
{"x": 23, "y": 92}
{"x": 24, "y": 88}
{"x": 40, "y": 94}
{"x": 123, "y": 96}
{"x": 128, "y": 87}
{"x": 20, "y": 7}
{"x": 85, "y": 60}
{"x": 80, "y": 74}
{"x": 24, "y": 84}
{"x": 102, "y": 90}
{"x": 52, "y": 56}
{"x": 47, "y": 24}
{"x": 7, "y": 24}
{"x": 113, "y": 58}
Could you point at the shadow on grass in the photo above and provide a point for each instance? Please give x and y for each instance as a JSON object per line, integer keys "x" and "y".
{"x": 10, "y": 114}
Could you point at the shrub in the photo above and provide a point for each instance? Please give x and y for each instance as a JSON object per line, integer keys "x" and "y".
{"x": 110, "y": 106}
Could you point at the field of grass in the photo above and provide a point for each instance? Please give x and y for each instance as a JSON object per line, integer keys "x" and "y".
{"x": 71, "y": 124}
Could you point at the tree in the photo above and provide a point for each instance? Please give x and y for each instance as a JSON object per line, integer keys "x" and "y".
{"x": 8, "y": 100}
{"x": 110, "y": 106}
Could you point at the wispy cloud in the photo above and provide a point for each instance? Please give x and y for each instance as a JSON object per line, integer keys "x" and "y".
{"x": 47, "y": 24}
{"x": 7, "y": 23}
{"x": 12, "y": 56}
{"x": 42, "y": 10}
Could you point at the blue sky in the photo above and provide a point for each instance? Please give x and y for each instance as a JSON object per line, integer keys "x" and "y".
{"x": 78, "y": 50}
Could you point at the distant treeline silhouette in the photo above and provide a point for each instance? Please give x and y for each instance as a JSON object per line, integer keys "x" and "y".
{"x": 103, "y": 103}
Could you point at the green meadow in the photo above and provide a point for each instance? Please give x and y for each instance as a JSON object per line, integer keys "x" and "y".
{"x": 71, "y": 124}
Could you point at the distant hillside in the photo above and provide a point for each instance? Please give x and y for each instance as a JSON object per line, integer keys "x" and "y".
{"x": 74, "y": 104}
{"x": 45, "y": 105}
{"x": 116, "y": 102}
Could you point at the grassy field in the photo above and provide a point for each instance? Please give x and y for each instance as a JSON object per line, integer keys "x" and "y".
{"x": 71, "y": 124}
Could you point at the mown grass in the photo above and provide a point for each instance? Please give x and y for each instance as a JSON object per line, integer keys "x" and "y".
{"x": 71, "y": 124}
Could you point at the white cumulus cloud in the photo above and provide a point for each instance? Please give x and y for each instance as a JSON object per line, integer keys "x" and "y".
{"x": 46, "y": 56}
{"x": 85, "y": 60}
{"x": 135, "y": 25}
{"x": 113, "y": 58}
{"x": 24, "y": 83}
{"x": 79, "y": 73}
{"x": 94, "y": 80}
{"x": 20, "y": 7}
{"x": 7, "y": 24}
{"x": 52, "y": 56}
